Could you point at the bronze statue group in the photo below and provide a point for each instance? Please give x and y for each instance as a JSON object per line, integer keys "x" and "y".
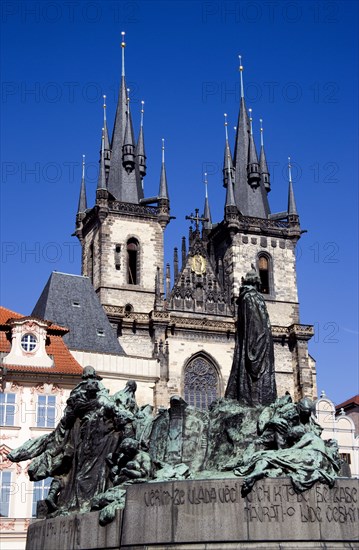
{"x": 103, "y": 442}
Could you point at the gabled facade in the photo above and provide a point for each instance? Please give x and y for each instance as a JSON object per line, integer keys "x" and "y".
{"x": 37, "y": 375}
{"x": 189, "y": 320}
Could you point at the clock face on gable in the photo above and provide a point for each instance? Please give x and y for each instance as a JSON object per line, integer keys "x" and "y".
{"x": 198, "y": 264}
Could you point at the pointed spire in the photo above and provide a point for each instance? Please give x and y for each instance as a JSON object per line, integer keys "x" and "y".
{"x": 230, "y": 201}
{"x": 163, "y": 191}
{"x": 82, "y": 206}
{"x": 128, "y": 155}
{"x": 292, "y": 207}
{"x": 207, "y": 211}
{"x": 175, "y": 263}
{"x": 227, "y": 166}
{"x": 140, "y": 148}
{"x": 184, "y": 252}
{"x": 101, "y": 182}
{"x": 168, "y": 281}
{"x": 253, "y": 165}
{"x": 240, "y": 157}
{"x": 107, "y": 141}
{"x": 123, "y": 45}
{"x": 263, "y": 162}
{"x": 125, "y": 186}
{"x": 241, "y": 75}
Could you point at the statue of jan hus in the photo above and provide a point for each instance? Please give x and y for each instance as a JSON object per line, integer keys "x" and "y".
{"x": 252, "y": 379}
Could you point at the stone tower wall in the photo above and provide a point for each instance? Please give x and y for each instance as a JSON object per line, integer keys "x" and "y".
{"x": 110, "y": 282}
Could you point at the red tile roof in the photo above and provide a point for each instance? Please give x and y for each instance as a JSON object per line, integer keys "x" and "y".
{"x": 64, "y": 362}
{"x": 349, "y": 402}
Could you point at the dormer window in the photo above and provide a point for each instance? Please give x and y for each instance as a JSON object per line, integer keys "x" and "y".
{"x": 28, "y": 342}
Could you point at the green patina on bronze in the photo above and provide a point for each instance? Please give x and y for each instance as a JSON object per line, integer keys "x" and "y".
{"x": 103, "y": 443}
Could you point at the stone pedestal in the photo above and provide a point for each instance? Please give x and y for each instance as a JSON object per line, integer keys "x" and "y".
{"x": 211, "y": 514}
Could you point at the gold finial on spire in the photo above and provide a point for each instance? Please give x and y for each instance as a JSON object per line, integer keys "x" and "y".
{"x": 250, "y": 121}
{"x": 142, "y": 111}
{"x": 289, "y": 170}
{"x": 226, "y": 126}
{"x": 104, "y": 109}
{"x": 261, "y": 123}
{"x": 163, "y": 150}
{"x": 241, "y": 74}
{"x": 206, "y": 185}
{"x": 123, "y": 44}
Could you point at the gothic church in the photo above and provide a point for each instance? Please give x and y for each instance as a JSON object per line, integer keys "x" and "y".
{"x": 187, "y": 327}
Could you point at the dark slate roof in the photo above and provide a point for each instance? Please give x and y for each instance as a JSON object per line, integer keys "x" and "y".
{"x": 71, "y": 301}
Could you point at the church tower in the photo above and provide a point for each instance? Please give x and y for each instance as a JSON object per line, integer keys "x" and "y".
{"x": 188, "y": 321}
{"x": 251, "y": 234}
{"x": 122, "y": 234}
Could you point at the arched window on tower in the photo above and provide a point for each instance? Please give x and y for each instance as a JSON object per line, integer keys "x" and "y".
{"x": 265, "y": 273}
{"x": 201, "y": 382}
{"x": 132, "y": 261}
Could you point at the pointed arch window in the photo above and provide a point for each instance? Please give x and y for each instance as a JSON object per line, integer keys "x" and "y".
{"x": 201, "y": 382}
{"x": 265, "y": 273}
{"x": 133, "y": 261}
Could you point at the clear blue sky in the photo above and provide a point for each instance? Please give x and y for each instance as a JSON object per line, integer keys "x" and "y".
{"x": 300, "y": 60}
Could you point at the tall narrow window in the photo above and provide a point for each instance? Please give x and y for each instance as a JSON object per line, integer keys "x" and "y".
{"x": 90, "y": 262}
{"x": 132, "y": 262}
{"x": 5, "y": 485}
{"x": 7, "y": 409}
{"x": 40, "y": 491}
{"x": 201, "y": 385}
{"x": 263, "y": 266}
{"x": 46, "y": 411}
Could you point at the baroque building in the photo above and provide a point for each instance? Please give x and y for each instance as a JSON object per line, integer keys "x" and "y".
{"x": 187, "y": 322}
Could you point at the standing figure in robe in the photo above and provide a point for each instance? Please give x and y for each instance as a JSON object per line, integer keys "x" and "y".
{"x": 252, "y": 379}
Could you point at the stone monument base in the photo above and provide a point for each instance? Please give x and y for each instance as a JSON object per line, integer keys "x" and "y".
{"x": 211, "y": 514}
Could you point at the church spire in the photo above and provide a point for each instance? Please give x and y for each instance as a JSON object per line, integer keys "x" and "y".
{"x": 163, "y": 198}
{"x": 82, "y": 206}
{"x": 240, "y": 158}
{"x": 253, "y": 165}
{"x": 230, "y": 200}
{"x": 140, "y": 148}
{"x": 292, "y": 207}
{"x": 263, "y": 163}
{"x": 123, "y": 185}
{"x": 207, "y": 211}
{"x": 107, "y": 148}
{"x": 101, "y": 182}
{"x": 249, "y": 192}
{"x": 128, "y": 148}
{"x": 227, "y": 155}
{"x": 163, "y": 190}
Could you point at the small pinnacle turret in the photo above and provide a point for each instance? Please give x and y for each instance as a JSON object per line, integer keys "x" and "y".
{"x": 107, "y": 148}
{"x": 128, "y": 148}
{"x": 292, "y": 207}
{"x": 101, "y": 183}
{"x": 163, "y": 198}
{"x": 163, "y": 190}
{"x": 207, "y": 225}
{"x": 253, "y": 164}
{"x": 263, "y": 163}
{"x": 227, "y": 166}
{"x": 82, "y": 206}
{"x": 140, "y": 148}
